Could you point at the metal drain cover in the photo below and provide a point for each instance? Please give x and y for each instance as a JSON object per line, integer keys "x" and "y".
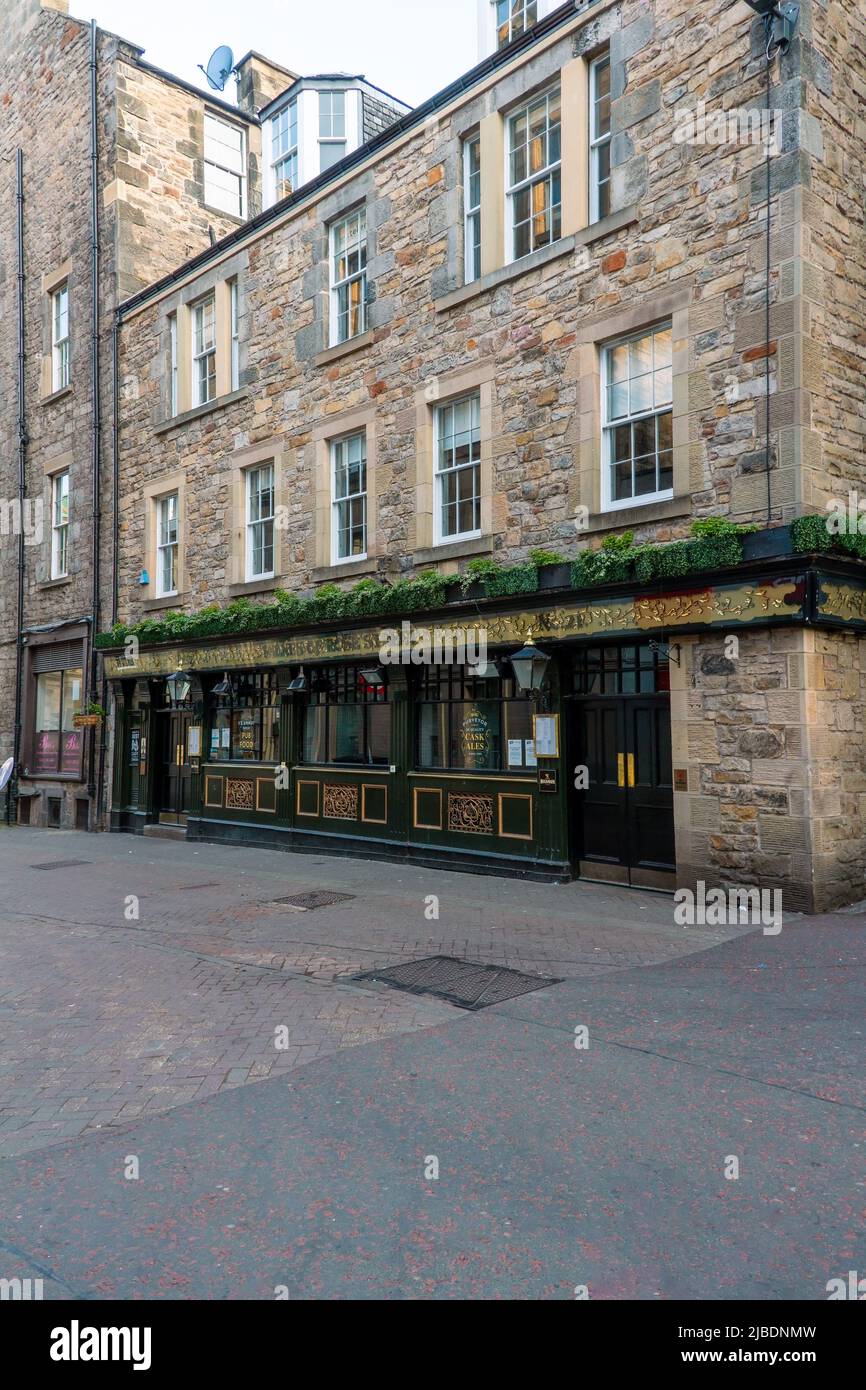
{"x": 459, "y": 981}
{"x": 62, "y": 864}
{"x": 308, "y": 902}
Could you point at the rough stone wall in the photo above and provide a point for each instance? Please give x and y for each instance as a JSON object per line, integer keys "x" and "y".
{"x": 773, "y": 742}
{"x": 697, "y": 243}
{"x": 158, "y": 185}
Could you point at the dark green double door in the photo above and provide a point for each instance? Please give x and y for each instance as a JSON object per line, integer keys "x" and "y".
{"x": 174, "y": 792}
{"x": 623, "y": 823}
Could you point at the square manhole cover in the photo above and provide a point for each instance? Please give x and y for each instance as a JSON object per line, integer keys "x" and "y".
{"x": 62, "y": 864}
{"x": 308, "y": 902}
{"x": 459, "y": 981}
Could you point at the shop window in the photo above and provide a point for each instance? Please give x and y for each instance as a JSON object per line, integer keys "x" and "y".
{"x": 636, "y": 668}
{"x": 347, "y": 719}
{"x": 245, "y": 723}
{"x": 57, "y": 743}
{"x": 472, "y": 723}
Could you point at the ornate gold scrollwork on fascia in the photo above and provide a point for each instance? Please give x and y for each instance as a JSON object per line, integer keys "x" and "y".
{"x": 471, "y": 815}
{"x": 340, "y": 802}
{"x": 845, "y": 601}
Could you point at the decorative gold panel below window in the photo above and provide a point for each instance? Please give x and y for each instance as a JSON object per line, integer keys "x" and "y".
{"x": 341, "y": 802}
{"x": 239, "y": 795}
{"x": 471, "y": 815}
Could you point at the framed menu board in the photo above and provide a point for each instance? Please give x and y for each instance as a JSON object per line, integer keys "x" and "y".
{"x": 545, "y": 732}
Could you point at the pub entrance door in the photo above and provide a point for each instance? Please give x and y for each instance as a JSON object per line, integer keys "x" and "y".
{"x": 174, "y": 782}
{"x": 622, "y": 823}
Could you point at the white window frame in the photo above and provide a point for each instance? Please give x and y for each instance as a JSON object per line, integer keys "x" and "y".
{"x": 330, "y": 138}
{"x": 611, "y": 423}
{"x": 516, "y": 22}
{"x": 284, "y": 125}
{"x": 202, "y": 351}
{"x": 173, "y": 365}
{"x": 218, "y": 156}
{"x": 545, "y": 175}
{"x": 167, "y": 547}
{"x": 340, "y": 501}
{"x": 261, "y": 521}
{"x": 60, "y": 528}
{"x": 340, "y": 283}
{"x": 598, "y": 142}
{"x": 440, "y": 536}
{"x": 60, "y": 365}
{"x": 471, "y": 212}
{"x": 234, "y": 328}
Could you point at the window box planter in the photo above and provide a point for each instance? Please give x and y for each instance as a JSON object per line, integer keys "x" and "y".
{"x": 768, "y": 545}
{"x": 555, "y": 576}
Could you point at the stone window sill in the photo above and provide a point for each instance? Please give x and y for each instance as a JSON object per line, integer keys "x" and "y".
{"x": 333, "y": 354}
{"x": 150, "y": 605}
{"x": 595, "y": 232}
{"x": 254, "y": 586}
{"x": 636, "y": 516}
{"x": 346, "y": 570}
{"x": 177, "y": 421}
{"x": 455, "y": 550}
{"x": 55, "y": 583}
{"x": 55, "y": 396}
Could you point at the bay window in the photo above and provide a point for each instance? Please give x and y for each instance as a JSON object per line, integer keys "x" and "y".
{"x": 346, "y": 720}
{"x": 332, "y": 129}
{"x": 514, "y": 17}
{"x": 284, "y": 150}
{"x": 534, "y": 174}
{"x": 637, "y": 408}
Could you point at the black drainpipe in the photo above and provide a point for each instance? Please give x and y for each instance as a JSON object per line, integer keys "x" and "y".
{"x": 768, "y": 459}
{"x": 12, "y": 788}
{"x": 96, "y": 420}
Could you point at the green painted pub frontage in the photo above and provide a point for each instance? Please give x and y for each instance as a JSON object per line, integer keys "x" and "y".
{"x": 311, "y": 741}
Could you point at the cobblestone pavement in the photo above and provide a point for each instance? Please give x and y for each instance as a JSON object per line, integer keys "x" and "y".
{"x": 138, "y": 975}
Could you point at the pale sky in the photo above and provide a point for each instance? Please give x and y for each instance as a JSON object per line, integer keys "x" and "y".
{"x": 412, "y": 48}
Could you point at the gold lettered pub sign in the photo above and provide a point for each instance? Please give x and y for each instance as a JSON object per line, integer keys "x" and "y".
{"x": 771, "y": 600}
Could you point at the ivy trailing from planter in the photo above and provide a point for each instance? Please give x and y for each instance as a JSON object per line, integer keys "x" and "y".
{"x": 716, "y": 544}
{"x": 811, "y": 534}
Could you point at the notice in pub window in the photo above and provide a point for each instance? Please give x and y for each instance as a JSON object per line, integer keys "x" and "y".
{"x": 515, "y": 752}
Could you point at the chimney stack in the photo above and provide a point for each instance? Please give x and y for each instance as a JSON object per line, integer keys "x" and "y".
{"x": 259, "y": 81}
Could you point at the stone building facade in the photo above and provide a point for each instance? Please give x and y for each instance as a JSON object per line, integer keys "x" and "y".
{"x": 523, "y": 317}
{"x": 154, "y": 209}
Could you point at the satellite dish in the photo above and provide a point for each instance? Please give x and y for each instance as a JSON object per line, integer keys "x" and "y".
{"x": 219, "y": 68}
{"x": 6, "y": 772}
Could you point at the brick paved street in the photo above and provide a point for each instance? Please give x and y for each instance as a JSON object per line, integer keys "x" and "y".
{"x": 106, "y": 1016}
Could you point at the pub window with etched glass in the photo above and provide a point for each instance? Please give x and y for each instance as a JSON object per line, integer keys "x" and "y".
{"x": 57, "y": 743}
{"x": 469, "y": 722}
{"x": 535, "y": 174}
{"x": 637, "y": 406}
{"x": 245, "y": 721}
{"x": 347, "y": 719}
